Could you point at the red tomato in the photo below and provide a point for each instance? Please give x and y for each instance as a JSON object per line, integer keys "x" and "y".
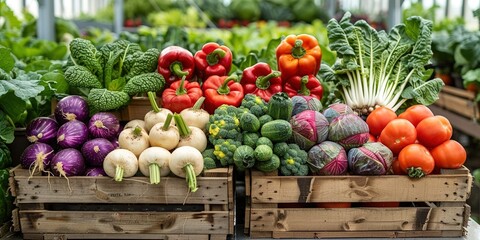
{"x": 333, "y": 205}
{"x": 416, "y": 113}
{"x": 380, "y": 204}
{"x": 397, "y": 134}
{"x": 396, "y": 169}
{"x": 416, "y": 160}
{"x": 449, "y": 154}
{"x": 378, "y": 119}
{"x": 433, "y": 131}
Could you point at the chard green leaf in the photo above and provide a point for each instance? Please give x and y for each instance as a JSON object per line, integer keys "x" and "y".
{"x": 7, "y": 62}
{"x": 24, "y": 89}
{"x": 12, "y": 106}
{"x": 7, "y": 131}
{"x": 55, "y": 81}
{"x": 425, "y": 93}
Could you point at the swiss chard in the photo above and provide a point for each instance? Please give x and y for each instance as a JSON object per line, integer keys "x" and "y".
{"x": 375, "y": 68}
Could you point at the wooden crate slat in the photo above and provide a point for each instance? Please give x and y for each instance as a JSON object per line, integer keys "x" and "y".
{"x": 41, "y": 189}
{"x": 357, "y": 219}
{"x": 82, "y": 222}
{"x": 368, "y": 234}
{"x": 282, "y": 189}
{"x": 115, "y": 236}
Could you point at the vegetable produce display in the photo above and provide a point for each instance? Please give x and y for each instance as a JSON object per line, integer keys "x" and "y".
{"x": 209, "y": 111}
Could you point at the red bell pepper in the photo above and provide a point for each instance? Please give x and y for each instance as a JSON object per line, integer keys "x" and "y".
{"x": 213, "y": 59}
{"x": 298, "y": 55}
{"x": 175, "y": 62}
{"x": 308, "y": 85}
{"x": 260, "y": 80}
{"x": 220, "y": 90}
{"x": 181, "y": 94}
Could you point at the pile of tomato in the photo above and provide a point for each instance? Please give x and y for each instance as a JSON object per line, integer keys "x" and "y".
{"x": 420, "y": 140}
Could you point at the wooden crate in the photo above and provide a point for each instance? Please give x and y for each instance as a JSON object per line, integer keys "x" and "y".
{"x": 459, "y": 101}
{"x": 434, "y": 206}
{"x": 100, "y": 208}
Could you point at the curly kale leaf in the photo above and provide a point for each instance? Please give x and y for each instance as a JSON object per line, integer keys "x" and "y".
{"x": 147, "y": 82}
{"x": 101, "y": 100}
{"x": 80, "y": 76}
{"x": 146, "y": 63}
{"x": 84, "y": 53}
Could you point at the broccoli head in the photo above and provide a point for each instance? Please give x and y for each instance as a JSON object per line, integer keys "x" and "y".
{"x": 255, "y": 104}
{"x": 224, "y": 150}
{"x": 224, "y": 124}
{"x": 292, "y": 163}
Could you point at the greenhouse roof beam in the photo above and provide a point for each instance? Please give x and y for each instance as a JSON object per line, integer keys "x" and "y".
{"x": 394, "y": 13}
{"x": 118, "y": 17}
{"x": 46, "y": 20}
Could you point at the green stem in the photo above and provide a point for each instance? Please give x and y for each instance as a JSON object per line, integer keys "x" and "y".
{"x": 181, "y": 89}
{"x": 224, "y": 89}
{"x": 176, "y": 68}
{"x": 154, "y": 170}
{"x": 198, "y": 103}
{"x": 303, "y": 86}
{"x": 183, "y": 129}
{"x": 191, "y": 177}
{"x": 152, "y": 97}
{"x": 298, "y": 51}
{"x": 415, "y": 172}
{"x": 263, "y": 82}
{"x": 119, "y": 174}
{"x": 137, "y": 131}
{"x": 9, "y": 119}
{"x": 215, "y": 56}
{"x": 166, "y": 124}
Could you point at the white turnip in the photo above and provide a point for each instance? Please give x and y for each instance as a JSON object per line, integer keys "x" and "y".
{"x": 134, "y": 123}
{"x": 187, "y": 162}
{"x": 190, "y": 136}
{"x": 153, "y": 162}
{"x": 164, "y": 135}
{"x": 120, "y": 163}
{"x": 196, "y": 116}
{"x": 156, "y": 115}
{"x": 134, "y": 140}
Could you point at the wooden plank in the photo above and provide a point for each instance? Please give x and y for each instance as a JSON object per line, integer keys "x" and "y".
{"x": 171, "y": 190}
{"x": 115, "y": 236}
{"x": 282, "y": 189}
{"x": 462, "y": 106}
{"x": 458, "y": 92}
{"x": 356, "y": 219}
{"x": 367, "y": 234}
{"x": 231, "y": 201}
{"x": 137, "y": 108}
{"x": 83, "y": 222}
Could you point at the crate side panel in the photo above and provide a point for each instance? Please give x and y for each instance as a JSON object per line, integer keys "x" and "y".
{"x": 356, "y": 219}
{"x": 40, "y": 189}
{"x": 81, "y": 222}
{"x": 268, "y": 189}
{"x": 367, "y": 234}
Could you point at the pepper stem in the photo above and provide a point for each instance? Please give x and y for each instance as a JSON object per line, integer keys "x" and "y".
{"x": 263, "y": 82}
{"x": 153, "y": 101}
{"x": 303, "y": 86}
{"x": 181, "y": 88}
{"x": 118, "y": 173}
{"x": 298, "y": 51}
{"x": 191, "y": 177}
{"x": 166, "y": 124}
{"x": 176, "y": 68}
{"x": 154, "y": 170}
{"x": 215, "y": 56}
{"x": 415, "y": 172}
{"x": 198, "y": 103}
{"x": 183, "y": 129}
{"x": 224, "y": 89}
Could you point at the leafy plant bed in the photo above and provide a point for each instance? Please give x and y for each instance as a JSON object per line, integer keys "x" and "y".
{"x": 459, "y": 101}
{"x": 285, "y": 207}
{"x": 100, "y": 208}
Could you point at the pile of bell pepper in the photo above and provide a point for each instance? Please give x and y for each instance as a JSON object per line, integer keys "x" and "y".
{"x": 6, "y": 199}
{"x": 190, "y": 76}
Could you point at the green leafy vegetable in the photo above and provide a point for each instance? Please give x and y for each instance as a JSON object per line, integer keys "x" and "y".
{"x": 379, "y": 69}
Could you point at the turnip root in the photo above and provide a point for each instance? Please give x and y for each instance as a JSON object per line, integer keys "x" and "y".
{"x": 134, "y": 123}
{"x": 153, "y": 162}
{"x": 134, "y": 140}
{"x": 196, "y": 116}
{"x": 120, "y": 163}
{"x": 190, "y": 136}
{"x": 156, "y": 115}
{"x": 164, "y": 135}
{"x": 187, "y": 162}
